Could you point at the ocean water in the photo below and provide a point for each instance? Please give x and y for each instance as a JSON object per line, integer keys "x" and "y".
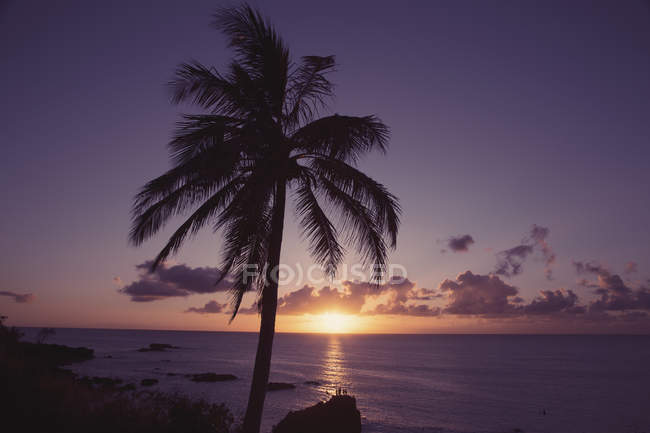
{"x": 404, "y": 383}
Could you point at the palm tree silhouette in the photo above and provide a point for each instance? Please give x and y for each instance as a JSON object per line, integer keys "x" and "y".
{"x": 232, "y": 168}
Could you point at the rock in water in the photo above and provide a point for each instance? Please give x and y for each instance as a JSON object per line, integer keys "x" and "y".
{"x": 157, "y": 347}
{"x": 338, "y": 415}
{"x": 211, "y": 377}
{"x": 279, "y": 386}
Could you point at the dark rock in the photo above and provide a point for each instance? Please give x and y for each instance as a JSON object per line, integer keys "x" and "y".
{"x": 313, "y": 382}
{"x": 211, "y": 377}
{"x": 278, "y": 386}
{"x": 339, "y": 414}
{"x": 157, "y": 347}
{"x": 171, "y": 374}
{"x": 106, "y": 381}
{"x": 148, "y": 382}
{"x": 100, "y": 381}
{"x": 127, "y": 387}
{"x": 57, "y": 354}
{"x": 109, "y": 356}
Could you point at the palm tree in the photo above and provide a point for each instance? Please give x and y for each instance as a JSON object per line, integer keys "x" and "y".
{"x": 232, "y": 167}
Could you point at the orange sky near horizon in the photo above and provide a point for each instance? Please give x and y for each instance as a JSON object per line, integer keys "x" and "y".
{"x": 158, "y": 318}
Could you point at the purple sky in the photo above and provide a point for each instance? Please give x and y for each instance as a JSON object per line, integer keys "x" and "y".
{"x": 503, "y": 115}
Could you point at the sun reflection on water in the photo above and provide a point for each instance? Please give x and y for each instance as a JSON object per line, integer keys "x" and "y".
{"x": 335, "y": 374}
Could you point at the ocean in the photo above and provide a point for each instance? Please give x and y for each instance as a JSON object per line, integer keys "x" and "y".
{"x": 403, "y": 383}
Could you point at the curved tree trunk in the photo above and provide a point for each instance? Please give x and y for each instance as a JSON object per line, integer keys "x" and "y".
{"x": 269, "y": 303}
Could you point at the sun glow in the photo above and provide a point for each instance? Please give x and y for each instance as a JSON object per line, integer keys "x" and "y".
{"x": 333, "y": 323}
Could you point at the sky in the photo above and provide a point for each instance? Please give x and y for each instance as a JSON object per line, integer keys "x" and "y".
{"x": 520, "y": 139}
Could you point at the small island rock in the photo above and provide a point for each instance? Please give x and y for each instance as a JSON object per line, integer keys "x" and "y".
{"x": 339, "y": 414}
{"x": 211, "y": 377}
{"x": 278, "y": 386}
{"x": 148, "y": 382}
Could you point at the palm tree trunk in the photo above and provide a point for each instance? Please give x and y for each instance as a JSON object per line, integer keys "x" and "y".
{"x": 253, "y": 416}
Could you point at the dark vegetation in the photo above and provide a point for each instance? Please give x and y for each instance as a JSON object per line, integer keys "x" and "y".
{"x": 40, "y": 396}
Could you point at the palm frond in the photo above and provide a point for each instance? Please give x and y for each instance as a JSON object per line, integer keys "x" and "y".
{"x": 308, "y": 89}
{"x": 317, "y": 227}
{"x": 196, "y": 134}
{"x": 178, "y": 189}
{"x": 384, "y": 205}
{"x": 151, "y": 220}
{"x": 342, "y": 137}
{"x": 201, "y": 216}
{"x": 359, "y": 224}
{"x": 259, "y": 48}
{"x": 200, "y": 85}
{"x": 246, "y": 225}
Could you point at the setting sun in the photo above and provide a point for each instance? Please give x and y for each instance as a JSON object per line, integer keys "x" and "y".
{"x": 333, "y": 323}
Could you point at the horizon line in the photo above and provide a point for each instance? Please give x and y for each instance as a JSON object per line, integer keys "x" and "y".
{"x": 352, "y": 333}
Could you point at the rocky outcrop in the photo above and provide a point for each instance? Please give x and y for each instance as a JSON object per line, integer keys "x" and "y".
{"x": 211, "y": 377}
{"x": 148, "y": 382}
{"x": 279, "y": 386}
{"x": 100, "y": 381}
{"x": 338, "y": 415}
{"x": 157, "y": 347}
{"x": 57, "y": 354}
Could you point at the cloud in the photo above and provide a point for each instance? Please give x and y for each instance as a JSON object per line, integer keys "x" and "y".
{"x": 460, "y": 244}
{"x": 309, "y": 300}
{"x": 613, "y": 293}
{"x": 539, "y": 235}
{"x": 406, "y": 310}
{"x": 395, "y": 297}
{"x": 631, "y": 267}
{"x": 510, "y": 262}
{"x": 554, "y": 301}
{"x": 489, "y": 296}
{"x": 212, "y": 307}
{"x": 173, "y": 281}
{"x": 424, "y": 294}
{"x": 473, "y": 294}
{"x": 18, "y": 298}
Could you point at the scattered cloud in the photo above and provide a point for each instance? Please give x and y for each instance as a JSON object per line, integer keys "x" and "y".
{"x": 459, "y": 244}
{"x": 510, "y": 262}
{"x": 539, "y": 235}
{"x": 212, "y": 307}
{"x": 309, "y": 300}
{"x": 555, "y": 301}
{"x": 18, "y": 298}
{"x": 173, "y": 281}
{"x": 479, "y": 295}
{"x": 456, "y": 244}
{"x": 613, "y": 293}
{"x": 631, "y": 267}
{"x": 395, "y": 297}
{"x": 473, "y": 295}
{"x": 489, "y": 296}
